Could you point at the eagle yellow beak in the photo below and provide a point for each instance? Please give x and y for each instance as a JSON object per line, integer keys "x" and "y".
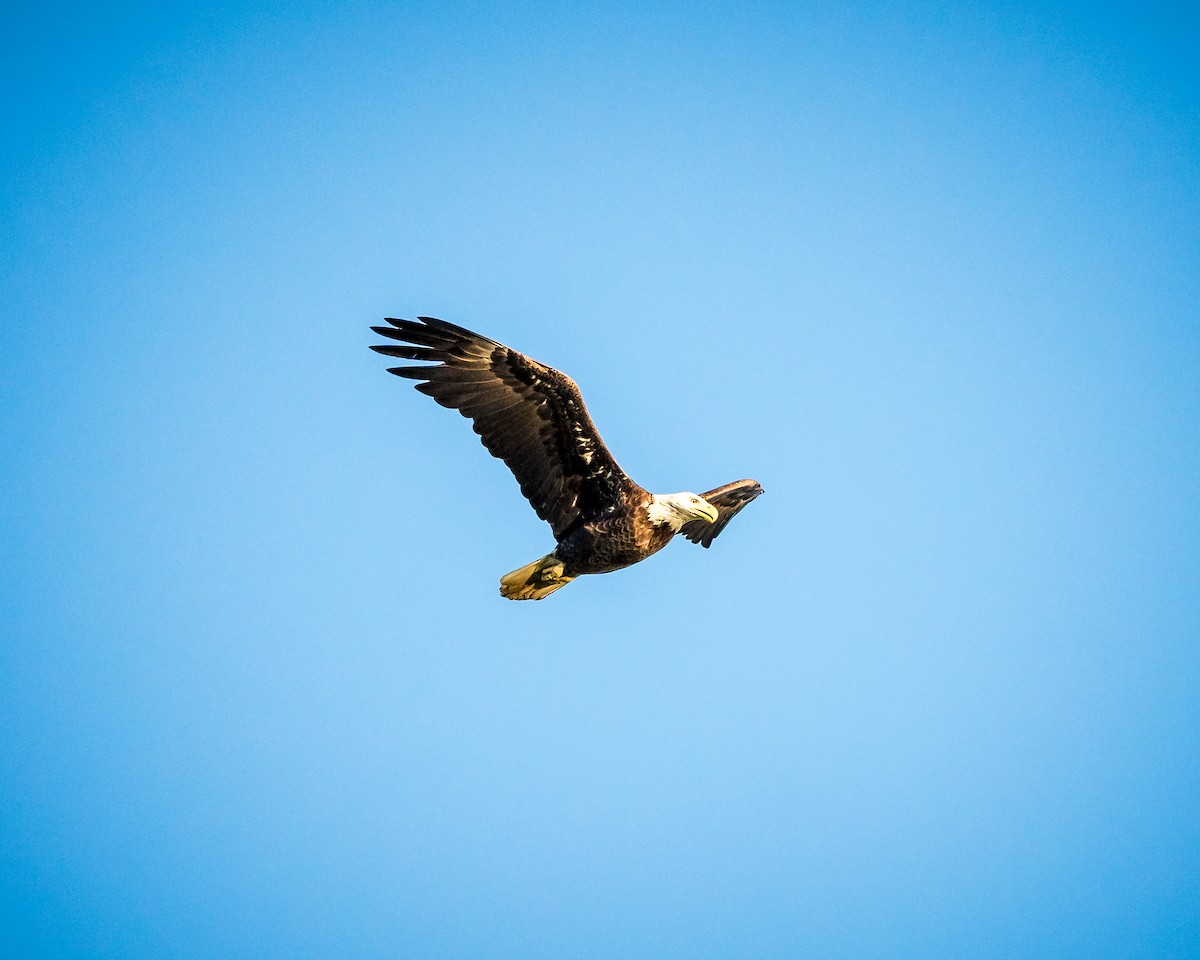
{"x": 706, "y": 511}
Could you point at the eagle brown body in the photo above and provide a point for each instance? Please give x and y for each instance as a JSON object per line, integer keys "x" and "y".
{"x": 533, "y": 418}
{"x": 611, "y": 543}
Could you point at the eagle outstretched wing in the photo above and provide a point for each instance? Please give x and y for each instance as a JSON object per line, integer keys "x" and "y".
{"x": 527, "y": 414}
{"x": 728, "y": 500}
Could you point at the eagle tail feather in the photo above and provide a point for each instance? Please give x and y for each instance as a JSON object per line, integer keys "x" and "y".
{"x": 534, "y": 581}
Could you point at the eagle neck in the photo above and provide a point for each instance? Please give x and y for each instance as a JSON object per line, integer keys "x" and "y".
{"x": 661, "y": 511}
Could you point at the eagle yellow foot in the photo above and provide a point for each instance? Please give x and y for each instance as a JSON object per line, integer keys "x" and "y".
{"x": 534, "y": 580}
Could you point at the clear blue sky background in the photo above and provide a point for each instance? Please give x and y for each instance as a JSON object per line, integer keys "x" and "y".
{"x": 930, "y": 272}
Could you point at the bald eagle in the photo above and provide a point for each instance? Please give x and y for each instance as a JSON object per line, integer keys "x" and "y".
{"x": 532, "y": 417}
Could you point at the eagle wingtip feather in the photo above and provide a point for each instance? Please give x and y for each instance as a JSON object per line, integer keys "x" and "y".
{"x": 409, "y": 373}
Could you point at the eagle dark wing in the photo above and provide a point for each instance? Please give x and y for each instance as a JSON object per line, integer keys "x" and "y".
{"x": 728, "y": 500}
{"x": 527, "y": 414}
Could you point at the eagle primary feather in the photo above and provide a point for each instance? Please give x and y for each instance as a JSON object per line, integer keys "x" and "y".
{"x": 533, "y": 418}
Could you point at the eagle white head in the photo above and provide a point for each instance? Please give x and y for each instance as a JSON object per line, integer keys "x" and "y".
{"x": 676, "y": 509}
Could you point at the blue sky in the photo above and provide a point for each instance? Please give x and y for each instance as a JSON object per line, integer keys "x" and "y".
{"x": 930, "y": 272}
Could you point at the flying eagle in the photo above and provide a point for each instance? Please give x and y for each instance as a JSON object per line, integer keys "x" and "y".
{"x": 532, "y": 417}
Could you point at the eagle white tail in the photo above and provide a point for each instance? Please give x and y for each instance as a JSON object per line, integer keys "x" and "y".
{"x": 534, "y": 580}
